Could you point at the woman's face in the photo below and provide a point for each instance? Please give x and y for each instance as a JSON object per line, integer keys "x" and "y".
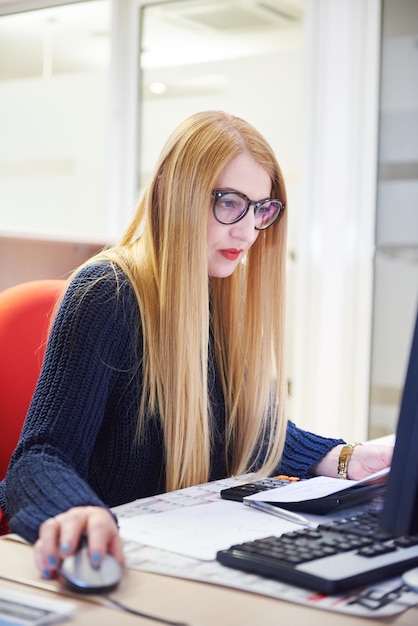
{"x": 227, "y": 244}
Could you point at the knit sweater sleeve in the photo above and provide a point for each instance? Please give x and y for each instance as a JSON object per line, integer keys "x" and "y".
{"x": 303, "y": 450}
{"x": 49, "y": 468}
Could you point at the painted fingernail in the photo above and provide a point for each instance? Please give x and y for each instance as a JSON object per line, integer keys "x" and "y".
{"x": 96, "y": 558}
{"x": 65, "y": 548}
{"x": 45, "y": 573}
{"x": 52, "y": 561}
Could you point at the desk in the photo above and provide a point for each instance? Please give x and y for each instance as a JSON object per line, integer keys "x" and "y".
{"x": 195, "y": 603}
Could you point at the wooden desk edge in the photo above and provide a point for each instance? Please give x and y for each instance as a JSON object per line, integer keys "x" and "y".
{"x": 192, "y": 602}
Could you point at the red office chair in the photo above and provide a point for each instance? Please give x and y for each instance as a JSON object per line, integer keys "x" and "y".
{"x": 25, "y": 312}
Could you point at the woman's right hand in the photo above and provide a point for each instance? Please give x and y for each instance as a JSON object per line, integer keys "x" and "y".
{"x": 60, "y": 536}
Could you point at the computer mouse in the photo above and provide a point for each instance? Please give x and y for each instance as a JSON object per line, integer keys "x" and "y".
{"x": 79, "y": 574}
{"x": 410, "y": 579}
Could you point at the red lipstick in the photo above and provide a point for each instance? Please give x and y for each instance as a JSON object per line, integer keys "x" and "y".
{"x": 230, "y": 253}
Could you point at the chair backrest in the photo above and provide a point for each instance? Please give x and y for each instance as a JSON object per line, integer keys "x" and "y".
{"x": 25, "y": 314}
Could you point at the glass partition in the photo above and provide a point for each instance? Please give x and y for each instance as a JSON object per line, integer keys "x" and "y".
{"x": 242, "y": 56}
{"x": 53, "y": 116}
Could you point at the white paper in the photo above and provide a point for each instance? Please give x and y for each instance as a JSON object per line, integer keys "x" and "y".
{"x": 316, "y": 487}
{"x": 200, "y": 531}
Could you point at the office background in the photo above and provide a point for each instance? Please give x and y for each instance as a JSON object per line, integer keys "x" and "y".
{"x": 89, "y": 91}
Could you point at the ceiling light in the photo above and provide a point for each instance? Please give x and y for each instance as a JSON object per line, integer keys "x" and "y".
{"x": 158, "y": 88}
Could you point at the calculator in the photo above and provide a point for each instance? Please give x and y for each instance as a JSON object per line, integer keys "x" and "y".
{"x": 352, "y": 496}
{"x": 239, "y": 492}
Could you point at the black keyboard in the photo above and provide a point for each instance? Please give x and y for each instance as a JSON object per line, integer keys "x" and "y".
{"x": 334, "y": 557}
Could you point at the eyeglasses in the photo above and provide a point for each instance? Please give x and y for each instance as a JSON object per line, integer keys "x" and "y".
{"x": 232, "y": 206}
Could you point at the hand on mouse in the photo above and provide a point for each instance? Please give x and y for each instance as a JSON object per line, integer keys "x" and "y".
{"x": 60, "y": 536}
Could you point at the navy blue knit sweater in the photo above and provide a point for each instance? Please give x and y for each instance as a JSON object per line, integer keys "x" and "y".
{"x": 78, "y": 444}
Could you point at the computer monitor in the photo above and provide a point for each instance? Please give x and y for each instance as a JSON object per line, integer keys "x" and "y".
{"x": 400, "y": 507}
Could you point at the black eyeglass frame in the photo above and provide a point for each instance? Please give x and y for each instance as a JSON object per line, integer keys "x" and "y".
{"x": 219, "y": 193}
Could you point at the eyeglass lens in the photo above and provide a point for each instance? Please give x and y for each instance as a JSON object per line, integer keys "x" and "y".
{"x": 230, "y": 207}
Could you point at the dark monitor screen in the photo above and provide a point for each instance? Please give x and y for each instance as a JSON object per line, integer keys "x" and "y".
{"x": 400, "y": 507}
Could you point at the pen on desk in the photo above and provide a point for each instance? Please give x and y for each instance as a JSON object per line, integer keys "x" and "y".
{"x": 278, "y": 512}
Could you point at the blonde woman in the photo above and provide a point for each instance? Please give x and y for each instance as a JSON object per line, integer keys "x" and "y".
{"x": 158, "y": 369}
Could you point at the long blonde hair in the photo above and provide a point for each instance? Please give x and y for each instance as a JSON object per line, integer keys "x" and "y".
{"x": 164, "y": 254}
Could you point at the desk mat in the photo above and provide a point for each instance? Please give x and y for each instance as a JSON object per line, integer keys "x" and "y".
{"x": 383, "y": 599}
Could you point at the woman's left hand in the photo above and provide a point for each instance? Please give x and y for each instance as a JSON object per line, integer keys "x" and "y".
{"x": 365, "y": 460}
{"x": 368, "y": 459}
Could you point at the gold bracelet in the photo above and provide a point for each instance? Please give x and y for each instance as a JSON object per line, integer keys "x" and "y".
{"x": 344, "y": 458}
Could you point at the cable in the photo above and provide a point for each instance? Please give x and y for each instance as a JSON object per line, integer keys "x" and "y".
{"x": 123, "y": 607}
